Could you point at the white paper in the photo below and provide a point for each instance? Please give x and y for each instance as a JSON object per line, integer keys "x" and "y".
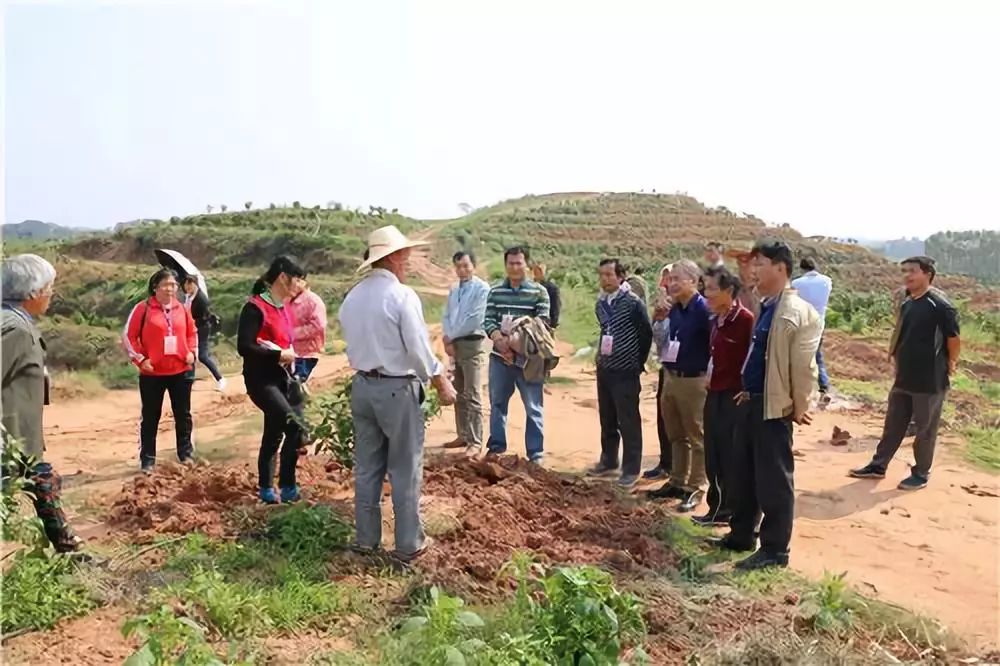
{"x": 673, "y": 348}
{"x": 607, "y": 343}
{"x": 170, "y": 345}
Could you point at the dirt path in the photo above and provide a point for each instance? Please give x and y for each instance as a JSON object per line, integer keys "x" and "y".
{"x": 935, "y": 551}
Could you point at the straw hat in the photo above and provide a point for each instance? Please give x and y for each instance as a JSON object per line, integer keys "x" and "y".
{"x": 384, "y": 241}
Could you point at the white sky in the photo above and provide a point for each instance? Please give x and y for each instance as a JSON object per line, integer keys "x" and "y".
{"x": 868, "y": 119}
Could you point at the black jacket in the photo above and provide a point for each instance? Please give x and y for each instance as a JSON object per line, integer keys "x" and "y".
{"x": 555, "y": 302}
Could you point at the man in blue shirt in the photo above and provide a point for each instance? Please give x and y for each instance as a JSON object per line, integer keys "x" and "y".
{"x": 815, "y": 288}
{"x": 684, "y": 354}
{"x": 464, "y": 340}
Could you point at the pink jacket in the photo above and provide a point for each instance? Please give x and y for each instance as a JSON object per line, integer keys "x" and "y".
{"x": 309, "y": 318}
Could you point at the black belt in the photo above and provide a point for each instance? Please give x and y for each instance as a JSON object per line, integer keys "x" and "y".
{"x": 469, "y": 338}
{"x": 375, "y": 374}
{"x": 686, "y": 375}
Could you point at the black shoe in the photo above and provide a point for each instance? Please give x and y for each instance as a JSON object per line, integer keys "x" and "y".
{"x": 602, "y": 469}
{"x": 763, "y": 560}
{"x": 728, "y": 543}
{"x": 691, "y": 502}
{"x": 712, "y": 519}
{"x": 667, "y": 491}
{"x": 655, "y": 474}
{"x": 869, "y": 471}
{"x": 912, "y": 482}
{"x": 147, "y": 468}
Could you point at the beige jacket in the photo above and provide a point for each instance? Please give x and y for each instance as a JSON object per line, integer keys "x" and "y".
{"x": 791, "y": 357}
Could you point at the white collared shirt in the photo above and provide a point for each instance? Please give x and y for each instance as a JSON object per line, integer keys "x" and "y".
{"x": 383, "y": 324}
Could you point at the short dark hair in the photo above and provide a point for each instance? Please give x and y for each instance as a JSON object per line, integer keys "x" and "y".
{"x": 517, "y": 249}
{"x": 807, "y": 264}
{"x": 926, "y": 264}
{"x": 457, "y": 257}
{"x": 714, "y": 245}
{"x": 727, "y": 281}
{"x": 159, "y": 276}
{"x": 619, "y": 268}
{"x": 777, "y": 252}
{"x": 189, "y": 278}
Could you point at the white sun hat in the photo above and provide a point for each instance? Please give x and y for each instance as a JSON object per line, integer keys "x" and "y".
{"x": 384, "y": 241}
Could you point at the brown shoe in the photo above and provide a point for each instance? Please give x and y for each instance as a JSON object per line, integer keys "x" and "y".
{"x": 455, "y": 444}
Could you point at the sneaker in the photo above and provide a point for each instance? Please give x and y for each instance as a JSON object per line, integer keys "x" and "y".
{"x": 655, "y": 474}
{"x": 869, "y": 471}
{"x": 410, "y": 557}
{"x": 728, "y": 543}
{"x": 627, "y": 480}
{"x": 763, "y": 560}
{"x": 267, "y": 496}
{"x": 691, "y": 501}
{"x": 537, "y": 460}
{"x": 220, "y": 385}
{"x": 147, "y": 468}
{"x": 912, "y": 482}
{"x": 602, "y": 469}
{"x": 290, "y": 495}
{"x": 667, "y": 491}
{"x": 712, "y": 519}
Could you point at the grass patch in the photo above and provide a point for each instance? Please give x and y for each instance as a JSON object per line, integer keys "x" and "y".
{"x": 39, "y": 590}
{"x": 868, "y": 392}
{"x": 982, "y": 448}
{"x": 561, "y": 380}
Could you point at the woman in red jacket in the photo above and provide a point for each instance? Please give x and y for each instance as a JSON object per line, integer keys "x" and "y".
{"x": 264, "y": 339}
{"x": 162, "y": 342}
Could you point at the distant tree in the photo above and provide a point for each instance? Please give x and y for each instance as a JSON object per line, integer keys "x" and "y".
{"x": 395, "y": 211}
{"x": 296, "y": 204}
{"x": 272, "y": 206}
{"x": 209, "y": 208}
{"x": 465, "y": 208}
{"x": 248, "y": 205}
{"x": 223, "y": 208}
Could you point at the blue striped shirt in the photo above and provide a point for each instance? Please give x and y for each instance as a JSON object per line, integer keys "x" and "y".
{"x": 465, "y": 309}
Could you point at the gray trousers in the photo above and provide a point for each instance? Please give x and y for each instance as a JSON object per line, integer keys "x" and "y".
{"x": 388, "y": 437}
{"x": 924, "y": 409}
{"x": 470, "y": 358}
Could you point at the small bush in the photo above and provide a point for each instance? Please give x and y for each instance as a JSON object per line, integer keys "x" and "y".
{"x": 38, "y": 591}
{"x": 308, "y": 533}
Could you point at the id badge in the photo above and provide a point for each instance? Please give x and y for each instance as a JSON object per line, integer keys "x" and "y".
{"x": 607, "y": 342}
{"x": 170, "y": 345}
{"x": 673, "y": 348}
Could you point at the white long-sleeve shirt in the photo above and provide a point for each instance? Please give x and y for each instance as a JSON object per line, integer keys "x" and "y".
{"x": 383, "y": 324}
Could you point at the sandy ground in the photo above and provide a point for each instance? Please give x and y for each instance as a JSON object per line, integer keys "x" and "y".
{"x": 934, "y": 551}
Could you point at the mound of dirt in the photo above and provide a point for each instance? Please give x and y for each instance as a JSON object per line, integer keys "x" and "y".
{"x": 504, "y": 505}
{"x": 851, "y": 358}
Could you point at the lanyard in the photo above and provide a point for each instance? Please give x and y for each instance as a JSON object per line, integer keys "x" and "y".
{"x": 169, "y": 319}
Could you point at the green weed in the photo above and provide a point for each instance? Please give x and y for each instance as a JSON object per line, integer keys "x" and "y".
{"x": 168, "y": 639}
{"x": 309, "y": 533}
{"x": 687, "y": 540}
{"x": 831, "y": 605}
{"x": 983, "y": 447}
{"x": 39, "y": 590}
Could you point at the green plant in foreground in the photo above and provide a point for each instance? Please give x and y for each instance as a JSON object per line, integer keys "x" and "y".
{"x": 39, "y": 590}
{"x": 168, "y": 639}
{"x": 17, "y": 490}
{"x": 831, "y": 605}
{"x": 308, "y": 532}
{"x": 442, "y": 632}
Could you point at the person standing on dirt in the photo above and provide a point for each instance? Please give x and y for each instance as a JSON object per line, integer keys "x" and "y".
{"x": 162, "y": 340}
{"x": 513, "y": 298}
{"x": 27, "y": 282}
{"x": 713, "y": 255}
{"x": 309, "y": 320}
{"x": 815, "y": 289}
{"x": 661, "y": 308}
{"x": 390, "y": 351}
{"x": 538, "y": 271}
{"x": 925, "y": 349}
{"x": 626, "y": 336}
{"x": 732, "y": 328}
{"x": 685, "y": 354}
{"x": 197, "y": 303}
{"x": 264, "y": 338}
{"x": 464, "y": 341}
{"x": 779, "y": 377}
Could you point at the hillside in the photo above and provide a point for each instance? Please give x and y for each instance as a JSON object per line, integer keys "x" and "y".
{"x": 975, "y": 253}
{"x": 38, "y": 231}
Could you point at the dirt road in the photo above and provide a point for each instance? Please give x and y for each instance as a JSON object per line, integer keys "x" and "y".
{"x": 934, "y": 551}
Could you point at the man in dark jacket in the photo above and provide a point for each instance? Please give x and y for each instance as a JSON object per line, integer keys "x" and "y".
{"x": 27, "y": 281}
{"x": 626, "y": 336}
{"x": 555, "y": 302}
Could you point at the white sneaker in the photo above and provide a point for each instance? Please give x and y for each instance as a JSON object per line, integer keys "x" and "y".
{"x": 220, "y": 385}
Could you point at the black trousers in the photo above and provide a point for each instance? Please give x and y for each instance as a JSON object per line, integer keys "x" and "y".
{"x": 764, "y": 469}
{"x": 151, "y": 390}
{"x": 282, "y": 408}
{"x": 722, "y": 415}
{"x": 618, "y": 405}
{"x": 666, "y": 453}
{"x": 205, "y": 353}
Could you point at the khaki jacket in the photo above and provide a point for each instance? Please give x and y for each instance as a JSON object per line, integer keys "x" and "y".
{"x": 791, "y": 357}
{"x": 24, "y": 381}
{"x": 535, "y": 342}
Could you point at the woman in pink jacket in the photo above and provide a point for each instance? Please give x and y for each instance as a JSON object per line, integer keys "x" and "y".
{"x": 309, "y": 316}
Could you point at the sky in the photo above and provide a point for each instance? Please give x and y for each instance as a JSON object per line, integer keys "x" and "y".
{"x": 870, "y": 119}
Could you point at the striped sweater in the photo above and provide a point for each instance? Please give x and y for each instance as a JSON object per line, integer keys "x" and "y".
{"x": 626, "y": 320}
{"x": 528, "y": 300}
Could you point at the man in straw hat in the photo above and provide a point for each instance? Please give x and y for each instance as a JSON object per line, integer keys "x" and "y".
{"x": 390, "y": 351}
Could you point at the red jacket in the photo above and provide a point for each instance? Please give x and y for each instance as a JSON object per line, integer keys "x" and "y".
{"x": 146, "y": 332}
{"x": 730, "y": 343}
{"x": 309, "y": 319}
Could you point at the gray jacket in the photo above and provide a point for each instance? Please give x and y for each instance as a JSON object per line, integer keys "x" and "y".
{"x": 24, "y": 380}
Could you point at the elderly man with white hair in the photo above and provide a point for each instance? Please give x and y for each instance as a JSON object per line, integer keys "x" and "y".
{"x": 27, "y": 281}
